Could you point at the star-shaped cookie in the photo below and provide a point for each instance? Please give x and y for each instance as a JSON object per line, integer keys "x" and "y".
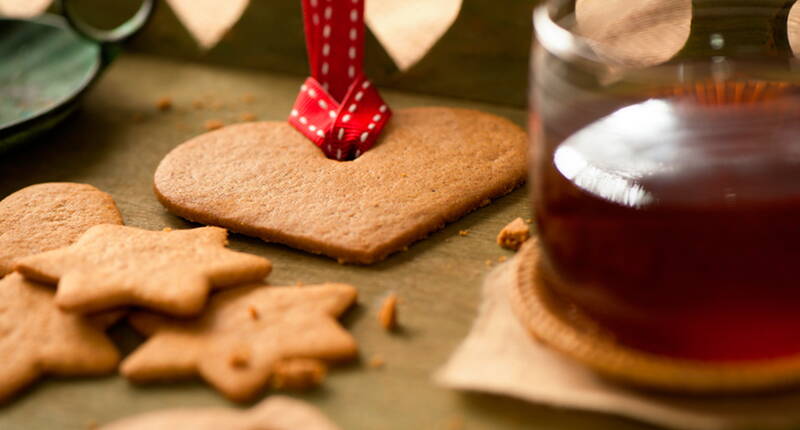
{"x": 36, "y": 337}
{"x": 169, "y": 271}
{"x": 242, "y": 335}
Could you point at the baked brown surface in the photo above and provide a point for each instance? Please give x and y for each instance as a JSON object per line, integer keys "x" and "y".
{"x": 274, "y": 413}
{"x": 266, "y": 180}
{"x": 235, "y": 349}
{"x": 171, "y": 271}
{"x": 47, "y": 216}
{"x": 36, "y": 338}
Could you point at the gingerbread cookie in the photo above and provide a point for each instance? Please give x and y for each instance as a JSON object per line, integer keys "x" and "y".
{"x": 169, "y": 271}
{"x": 48, "y": 216}
{"x": 431, "y": 166}
{"x": 36, "y": 337}
{"x": 274, "y": 413}
{"x": 243, "y": 334}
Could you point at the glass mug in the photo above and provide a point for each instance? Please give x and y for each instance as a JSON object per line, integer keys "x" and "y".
{"x": 665, "y": 171}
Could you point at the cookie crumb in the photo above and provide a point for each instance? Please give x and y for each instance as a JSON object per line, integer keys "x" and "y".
{"x": 240, "y": 358}
{"x": 387, "y": 316}
{"x": 463, "y": 233}
{"x": 298, "y": 284}
{"x": 529, "y": 220}
{"x": 167, "y": 229}
{"x": 455, "y": 423}
{"x": 488, "y": 263}
{"x": 298, "y": 373}
{"x": 248, "y": 98}
{"x": 247, "y": 116}
{"x": 253, "y": 312}
{"x": 164, "y": 103}
{"x": 502, "y": 259}
{"x": 376, "y": 361}
{"x": 513, "y": 235}
{"x": 92, "y": 425}
{"x": 213, "y": 124}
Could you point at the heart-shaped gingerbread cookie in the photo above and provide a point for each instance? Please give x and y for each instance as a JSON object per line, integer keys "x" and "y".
{"x": 431, "y": 166}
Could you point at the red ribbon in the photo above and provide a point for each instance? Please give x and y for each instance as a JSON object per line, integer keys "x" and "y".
{"x": 338, "y": 108}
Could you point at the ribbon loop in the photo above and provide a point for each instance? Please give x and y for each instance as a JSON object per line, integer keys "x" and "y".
{"x": 338, "y": 108}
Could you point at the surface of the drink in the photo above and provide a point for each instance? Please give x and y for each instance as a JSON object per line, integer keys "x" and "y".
{"x": 676, "y": 224}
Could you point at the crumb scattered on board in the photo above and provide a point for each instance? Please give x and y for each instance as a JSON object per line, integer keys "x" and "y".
{"x": 488, "y": 263}
{"x": 387, "y": 316}
{"x": 463, "y": 233}
{"x": 455, "y": 423}
{"x": 513, "y": 235}
{"x": 213, "y": 124}
{"x": 376, "y": 361}
{"x": 247, "y": 116}
{"x": 240, "y": 359}
{"x": 164, "y": 103}
{"x": 248, "y": 98}
{"x": 253, "y": 312}
{"x": 502, "y": 259}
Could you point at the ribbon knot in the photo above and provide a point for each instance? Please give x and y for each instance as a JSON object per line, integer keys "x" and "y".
{"x": 338, "y": 108}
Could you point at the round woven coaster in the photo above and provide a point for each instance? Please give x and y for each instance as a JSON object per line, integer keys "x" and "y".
{"x": 564, "y": 329}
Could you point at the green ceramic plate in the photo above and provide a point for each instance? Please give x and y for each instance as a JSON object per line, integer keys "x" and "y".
{"x": 47, "y": 64}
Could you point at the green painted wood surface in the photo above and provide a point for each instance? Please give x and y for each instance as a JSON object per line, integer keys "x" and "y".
{"x": 115, "y": 142}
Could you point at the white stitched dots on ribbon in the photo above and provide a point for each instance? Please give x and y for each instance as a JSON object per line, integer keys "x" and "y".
{"x": 364, "y": 136}
{"x": 353, "y": 34}
{"x": 322, "y": 104}
{"x": 295, "y": 112}
{"x": 326, "y": 49}
{"x": 351, "y": 71}
{"x": 332, "y": 114}
{"x": 328, "y": 12}
{"x": 354, "y": 15}
{"x": 382, "y": 109}
{"x": 312, "y": 127}
{"x": 320, "y": 133}
{"x": 341, "y": 133}
{"x": 359, "y": 95}
{"x": 352, "y": 52}
{"x": 303, "y": 120}
{"x": 365, "y": 85}
{"x": 326, "y": 31}
{"x": 346, "y": 117}
{"x": 352, "y": 107}
{"x": 325, "y": 68}
{"x": 312, "y": 93}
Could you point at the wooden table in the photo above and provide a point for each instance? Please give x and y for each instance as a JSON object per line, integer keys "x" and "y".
{"x": 115, "y": 142}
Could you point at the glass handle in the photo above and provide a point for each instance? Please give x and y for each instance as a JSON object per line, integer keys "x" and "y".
{"x": 111, "y": 38}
